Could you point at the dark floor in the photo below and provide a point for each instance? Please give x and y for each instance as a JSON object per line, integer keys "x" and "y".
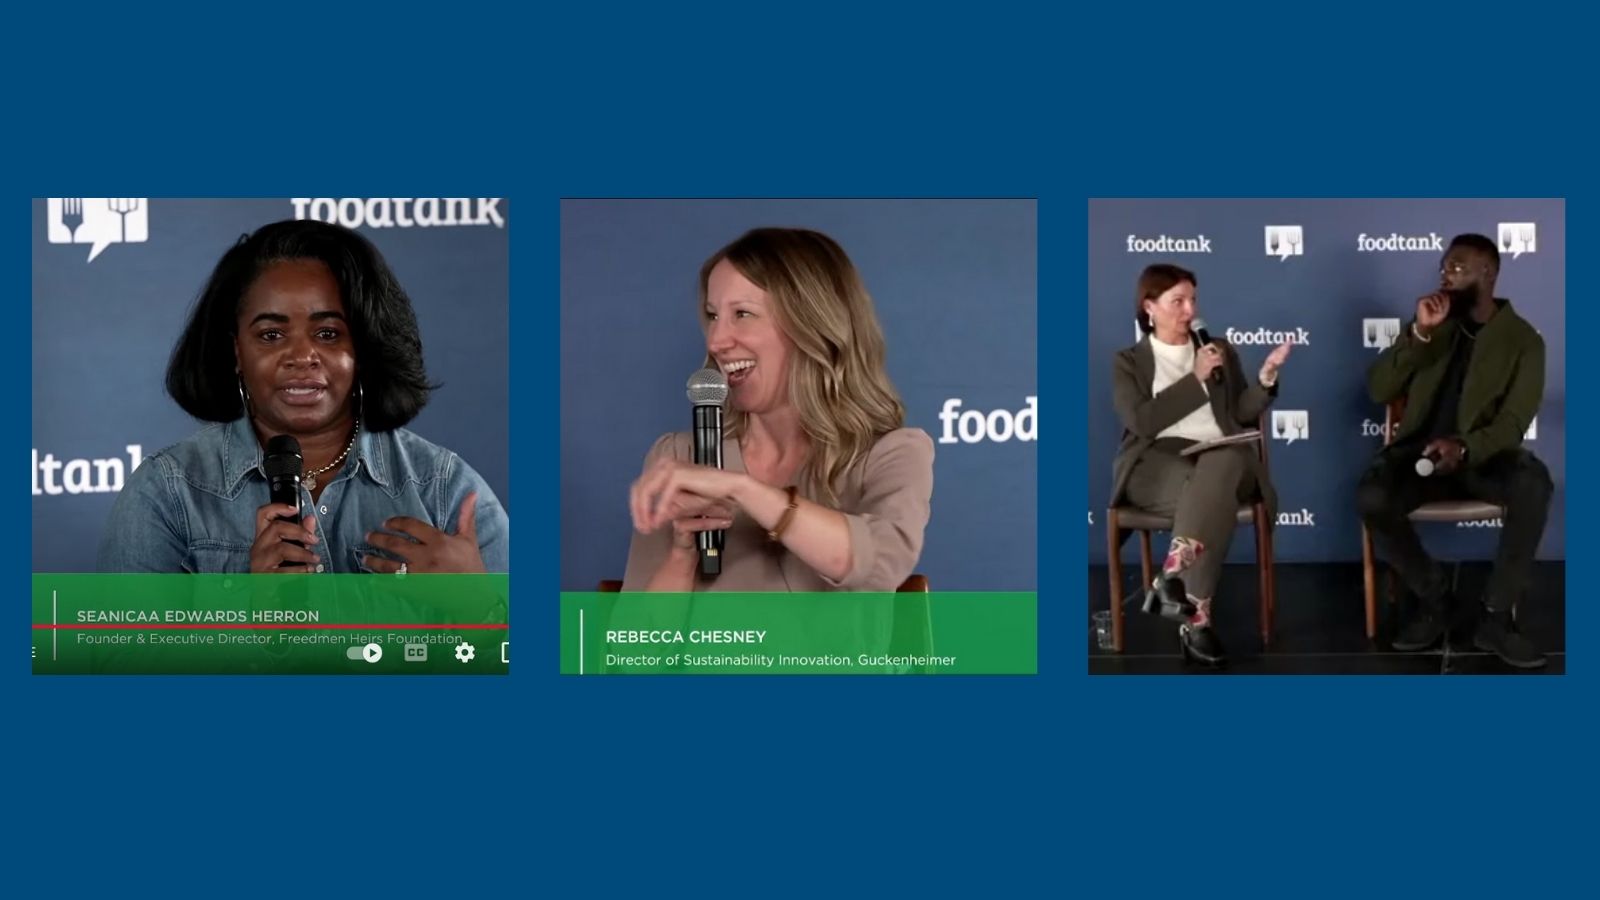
{"x": 1320, "y": 627}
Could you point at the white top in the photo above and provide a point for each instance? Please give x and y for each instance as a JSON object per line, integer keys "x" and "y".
{"x": 1173, "y": 363}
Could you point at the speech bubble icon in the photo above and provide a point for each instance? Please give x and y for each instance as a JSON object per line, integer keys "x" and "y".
{"x": 100, "y": 228}
{"x": 1278, "y": 242}
{"x": 1288, "y": 426}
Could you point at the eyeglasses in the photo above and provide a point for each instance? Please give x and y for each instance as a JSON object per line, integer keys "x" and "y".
{"x": 1453, "y": 269}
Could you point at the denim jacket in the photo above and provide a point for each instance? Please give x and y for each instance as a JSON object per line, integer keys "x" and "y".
{"x": 192, "y": 507}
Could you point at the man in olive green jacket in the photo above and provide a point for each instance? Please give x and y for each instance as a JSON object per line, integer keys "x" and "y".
{"x": 1471, "y": 372}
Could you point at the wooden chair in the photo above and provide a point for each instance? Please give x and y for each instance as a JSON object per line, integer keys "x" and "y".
{"x": 1438, "y": 511}
{"x": 1120, "y": 519}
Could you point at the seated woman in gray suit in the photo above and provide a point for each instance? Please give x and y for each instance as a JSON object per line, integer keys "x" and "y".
{"x": 1172, "y": 391}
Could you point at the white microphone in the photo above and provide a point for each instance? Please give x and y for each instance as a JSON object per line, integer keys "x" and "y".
{"x": 1428, "y": 464}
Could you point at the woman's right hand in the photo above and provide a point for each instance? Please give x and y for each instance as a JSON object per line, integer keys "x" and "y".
{"x": 684, "y": 529}
{"x": 1207, "y": 359}
{"x": 272, "y": 545}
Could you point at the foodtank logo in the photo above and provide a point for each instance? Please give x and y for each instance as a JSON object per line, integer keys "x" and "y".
{"x": 400, "y": 212}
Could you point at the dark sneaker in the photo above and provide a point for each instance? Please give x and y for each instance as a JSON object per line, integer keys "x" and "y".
{"x": 1497, "y": 633}
{"x": 1427, "y": 623}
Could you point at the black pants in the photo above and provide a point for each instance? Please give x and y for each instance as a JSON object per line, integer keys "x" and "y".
{"x": 1515, "y": 479}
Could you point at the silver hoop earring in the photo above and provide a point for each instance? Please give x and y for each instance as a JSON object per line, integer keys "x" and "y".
{"x": 244, "y": 398}
{"x": 361, "y": 401}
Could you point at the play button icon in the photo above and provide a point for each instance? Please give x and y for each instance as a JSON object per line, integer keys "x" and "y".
{"x": 371, "y": 653}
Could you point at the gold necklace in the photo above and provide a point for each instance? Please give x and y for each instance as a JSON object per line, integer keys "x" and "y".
{"x": 311, "y": 477}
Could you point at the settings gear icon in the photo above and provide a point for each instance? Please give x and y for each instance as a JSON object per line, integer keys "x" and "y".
{"x": 465, "y": 652}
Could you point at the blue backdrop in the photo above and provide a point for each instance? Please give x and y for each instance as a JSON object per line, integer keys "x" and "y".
{"x": 1338, "y": 278}
{"x": 954, "y": 285}
{"x": 987, "y": 786}
{"x": 112, "y": 292}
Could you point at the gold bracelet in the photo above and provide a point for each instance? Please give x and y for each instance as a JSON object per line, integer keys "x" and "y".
{"x": 783, "y": 522}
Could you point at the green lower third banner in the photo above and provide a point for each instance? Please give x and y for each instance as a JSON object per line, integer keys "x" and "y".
{"x": 271, "y": 624}
{"x": 796, "y": 634}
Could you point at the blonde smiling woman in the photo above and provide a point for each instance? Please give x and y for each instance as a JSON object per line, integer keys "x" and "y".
{"x": 822, "y": 486}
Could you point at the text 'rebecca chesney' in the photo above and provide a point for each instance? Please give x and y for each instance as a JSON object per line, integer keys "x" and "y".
{"x": 678, "y": 637}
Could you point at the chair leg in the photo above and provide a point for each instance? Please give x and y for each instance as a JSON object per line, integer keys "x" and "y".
{"x": 1144, "y": 559}
{"x": 1272, "y": 582}
{"x": 1264, "y": 573}
{"x": 1114, "y": 565}
{"x": 1369, "y": 582}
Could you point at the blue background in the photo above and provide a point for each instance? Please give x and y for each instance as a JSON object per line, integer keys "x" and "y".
{"x": 953, "y": 284}
{"x": 1329, "y": 289}
{"x": 1054, "y": 785}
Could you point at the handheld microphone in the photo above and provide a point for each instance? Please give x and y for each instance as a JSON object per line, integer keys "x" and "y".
{"x": 708, "y": 391}
{"x": 1427, "y": 463}
{"x": 1202, "y": 338}
{"x": 283, "y": 465}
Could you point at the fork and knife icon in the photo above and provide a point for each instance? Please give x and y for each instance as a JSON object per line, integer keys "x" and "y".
{"x": 1512, "y": 235}
{"x": 1287, "y": 423}
{"x": 1382, "y": 334}
{"x": 97, "y": 221}
{"x": 72, "y": 209}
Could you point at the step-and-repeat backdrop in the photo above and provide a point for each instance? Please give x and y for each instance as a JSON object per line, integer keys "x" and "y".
{"x": 114, "y": 279}
{"x": 1338, "y": 279}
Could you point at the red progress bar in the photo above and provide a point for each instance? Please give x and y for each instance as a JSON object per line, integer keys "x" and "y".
{"x": 193, "y": 626}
